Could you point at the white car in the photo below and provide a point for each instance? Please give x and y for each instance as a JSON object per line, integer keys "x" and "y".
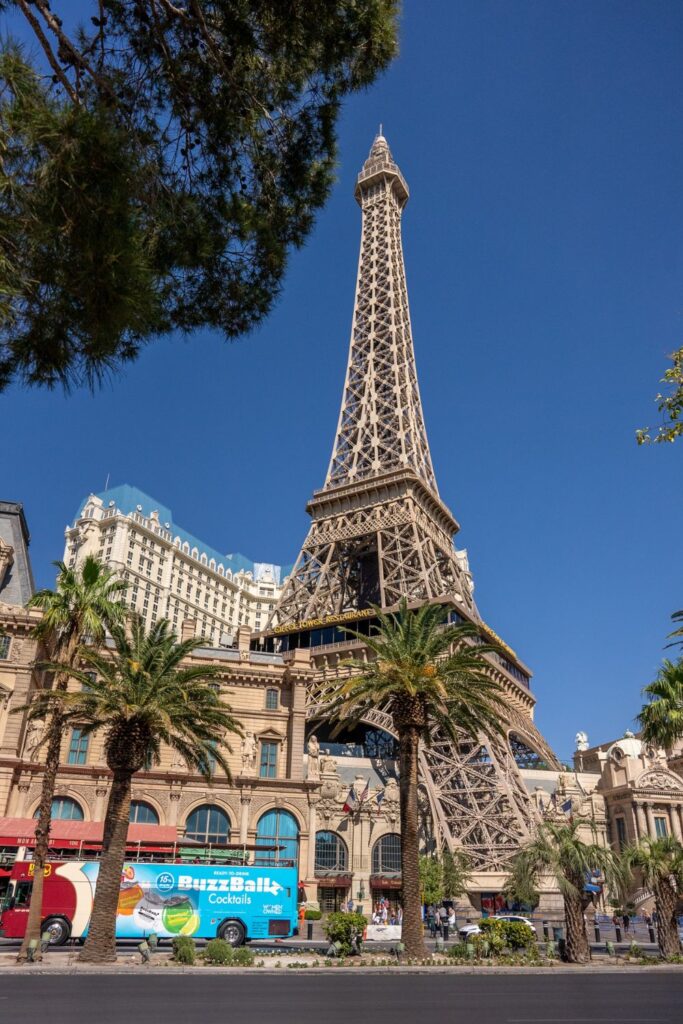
{"x": 473, "y": 929}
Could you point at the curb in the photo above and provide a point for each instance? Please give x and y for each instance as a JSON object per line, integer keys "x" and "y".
{"x": 334, "y": 971}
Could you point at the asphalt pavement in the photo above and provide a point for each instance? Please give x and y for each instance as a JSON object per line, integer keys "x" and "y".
{"x": 339, "y": 998}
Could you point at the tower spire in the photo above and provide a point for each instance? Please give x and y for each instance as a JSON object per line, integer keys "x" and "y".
{"x": 379, "y": 531}
{"x": 381, "y": 426}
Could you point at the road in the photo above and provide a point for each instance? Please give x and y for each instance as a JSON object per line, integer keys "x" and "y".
{"x": 339, "y": 997}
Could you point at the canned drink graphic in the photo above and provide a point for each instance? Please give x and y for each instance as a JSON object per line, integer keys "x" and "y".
{"x": 179, "y": 916}
{"x": 129, "y": 897}
{"x": 148, "y": 911}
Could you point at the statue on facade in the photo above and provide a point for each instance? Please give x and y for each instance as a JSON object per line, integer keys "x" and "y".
{"x": 34, "y": 736}
{"x": 581, "y": 740}
{"x": 328, "y": 764}
{"x": 313, "y": 758}
{"x": 248, "y": 754}
{"x": 391, "y": 793}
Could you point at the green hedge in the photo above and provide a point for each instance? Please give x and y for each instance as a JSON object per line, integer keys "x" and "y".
{"x": 313, "y": 915}
{"x": 184, "y": 949}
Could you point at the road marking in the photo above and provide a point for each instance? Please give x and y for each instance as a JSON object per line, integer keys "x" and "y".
{"x": 588, "y": 1020}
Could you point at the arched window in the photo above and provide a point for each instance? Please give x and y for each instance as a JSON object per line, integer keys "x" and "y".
{"x": 386, "y": 854}
{"x": 277, "y": 828}
{"x": 330, "y": 852}
{"x": 208, "y": 824}
{"x": 142, "y": 813}
{"x": 65, "y": 809}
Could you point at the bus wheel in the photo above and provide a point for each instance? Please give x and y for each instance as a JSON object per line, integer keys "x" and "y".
{"x": 232, "y": 932}
{"x": 58, "y": 928}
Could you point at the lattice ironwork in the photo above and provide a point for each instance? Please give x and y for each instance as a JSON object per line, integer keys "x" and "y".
{"x": 380, "y": 532}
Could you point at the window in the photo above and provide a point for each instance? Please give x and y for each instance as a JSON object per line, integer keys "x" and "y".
{"x": 330, "y": 852}
{"x": 386, "y": 854}
{"x": 272, "y": 699}
{"x": 208, "y": 824}
{"x": 277, "y": 828}
{"x": 621, "y": 832}
{"x": 142, "y": 813}
{"x": 660, "y": 827}
{"x": 4, "y": 648}
{"x": 78, "y": 747}
{"x": 65, "y": 809}
{"x": 268, "y": 768}
{"x": 92, "y": 676}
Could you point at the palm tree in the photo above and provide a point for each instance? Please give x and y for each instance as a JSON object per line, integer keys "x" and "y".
{"x": 659, "y": 863}
{"x": 661, "y": 719}
{"x": 429, "y": 677}
{"x": 558, "y": 851}
{"x": 84, "y": 604}
{"x": 143, "y": 696}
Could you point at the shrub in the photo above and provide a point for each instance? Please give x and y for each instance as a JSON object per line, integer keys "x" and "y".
{"x": 313, "y": 915}
{"x": 518, "y": 935}
{"x": 218, "y": 951}
{"x": 458, "y": 951}
{"x": 242, "y": 957}
{"x": 343, "y": 929}
{"x": 184, "y": 949}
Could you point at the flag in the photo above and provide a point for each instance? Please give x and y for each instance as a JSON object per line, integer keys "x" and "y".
{"x": 567, "y": 806}
{"x": 379, "y": 797}
{"x": 351, "y": 802}
{"x": 366, "y": 792}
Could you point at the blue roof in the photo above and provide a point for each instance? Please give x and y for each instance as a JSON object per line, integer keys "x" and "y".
{"x": 127, "y": 499}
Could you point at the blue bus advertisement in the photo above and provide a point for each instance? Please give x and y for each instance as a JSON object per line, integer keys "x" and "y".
{"x": 234, "y": 902}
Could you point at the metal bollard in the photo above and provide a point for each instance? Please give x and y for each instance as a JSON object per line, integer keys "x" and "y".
{"x": 651, "y": 930}
{"x": 597, "y": 932}
{"x": 617, "y": 930}
{"x": 309, "y": 930}
{"x": 546, "y": 931}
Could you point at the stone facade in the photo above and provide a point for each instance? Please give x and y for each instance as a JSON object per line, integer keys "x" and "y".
{"x": 171, "y": 574}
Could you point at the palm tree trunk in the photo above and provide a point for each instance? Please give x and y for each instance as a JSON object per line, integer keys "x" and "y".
{"x": 667, "y": 921}
{"x": 412, "y": 933}
{"x": 40, "y": 852}
{"x": 577, "y": 944}
{"x": 100, "y": 945}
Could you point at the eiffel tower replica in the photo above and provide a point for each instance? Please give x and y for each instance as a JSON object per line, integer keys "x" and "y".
{"x": 379, "y": 531}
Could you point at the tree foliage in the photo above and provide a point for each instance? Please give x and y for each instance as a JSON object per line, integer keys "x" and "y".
{"x": 658, "y": 866}
{"x": 456, "y": 873}
{"x": 669, "y": 404}
{"x": 431, "y": 880}
{"x": 158, "y": 176}
{"x": 557, "y": 851}
{"x": 661, "y": 719}
{"x": 429, "y": 677}
{"x": 85, "y": 602}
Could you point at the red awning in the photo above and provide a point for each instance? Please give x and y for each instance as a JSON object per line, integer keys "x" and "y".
{"x": 21, "y": 832}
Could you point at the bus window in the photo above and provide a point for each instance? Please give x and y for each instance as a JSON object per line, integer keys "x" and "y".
{"x": 23, "y": 894}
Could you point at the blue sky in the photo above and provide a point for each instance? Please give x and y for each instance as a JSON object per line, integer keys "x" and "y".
{"x": 542, "y": 144}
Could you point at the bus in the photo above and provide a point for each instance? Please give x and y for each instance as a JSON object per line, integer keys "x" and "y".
{"x": 229, "y": 901}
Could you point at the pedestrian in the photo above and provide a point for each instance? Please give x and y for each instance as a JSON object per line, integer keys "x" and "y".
{"x": 648, "y": 919}
{"x": 443, "y": 920}
{"x": 302, "y": 918}
{"x": 627, "y": 920}
{"x": 399, "y": 915}
{"x": 350, "y": 905}
{"x": 655, "y": 918}
{"x": 451, "y": 919}
{"x": 615, "y": 920}
{"x": 431, "y": 920}
{"x": 384, "y": 916}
